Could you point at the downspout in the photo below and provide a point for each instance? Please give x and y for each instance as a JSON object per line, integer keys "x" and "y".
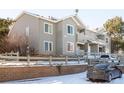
{"x": 39, "y": 35}
{"x": 76, "y": 40}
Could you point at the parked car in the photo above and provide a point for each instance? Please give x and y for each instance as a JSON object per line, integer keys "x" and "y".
{"x": 110, "y": 59}
{"x": 91, "y": 56}
{"x": 103, "y": 71}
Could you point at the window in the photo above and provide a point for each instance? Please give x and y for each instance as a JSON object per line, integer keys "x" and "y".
{"x": 48, "y": 46}
{"x": 106, "y": 40}
{"x": 101, "y": 37}
{"x": 70, "y": 29}
{"x": 48, "y": 28}
{"x": 70, "y": 46}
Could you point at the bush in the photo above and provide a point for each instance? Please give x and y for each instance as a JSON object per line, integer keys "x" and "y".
{"x": 8, "y": 44}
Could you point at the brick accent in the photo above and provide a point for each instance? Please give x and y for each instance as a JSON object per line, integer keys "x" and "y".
{"x": 73, "y": 69}
{"x": 18, "y": 73}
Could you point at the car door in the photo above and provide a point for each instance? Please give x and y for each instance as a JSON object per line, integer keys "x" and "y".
{"x": 117, "y": 72}
{"x": 113, "y": 72}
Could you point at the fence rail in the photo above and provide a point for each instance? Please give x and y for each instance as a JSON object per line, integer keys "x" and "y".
{"x": 35, "y": 58}
{"x": 14, "y": 57}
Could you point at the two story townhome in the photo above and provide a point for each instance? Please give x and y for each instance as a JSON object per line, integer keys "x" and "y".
{"x": 48, "y": 35}
{"x": 67, "y": 36}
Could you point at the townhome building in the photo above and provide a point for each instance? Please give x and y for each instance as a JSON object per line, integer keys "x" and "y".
{"x": 66, "y": 36}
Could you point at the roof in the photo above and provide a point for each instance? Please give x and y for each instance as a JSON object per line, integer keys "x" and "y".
{"x": 34, "y": 15}
{"x": 75, "y": 18}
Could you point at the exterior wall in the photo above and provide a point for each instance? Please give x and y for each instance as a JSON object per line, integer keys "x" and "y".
{"x": 36, "y": 33}
{"x": 19, "y": 30}
{"x": 18, "y": 73}
{"x": 59, "y": 38}
{"x": 81, "y": 37}
{"x": 90, "y": 35}
{"x": 46, "y": 37}
{"x": 69, "y": 38}
{"x": 87, "y": 35}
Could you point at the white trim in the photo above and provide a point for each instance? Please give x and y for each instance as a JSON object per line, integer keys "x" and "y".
{"x": 49, "y": 24}
{"x": 62, "y": 19}
{"x": 44, "y": 45}
{"x": 27, "y": 31}
{"x": 76, "y": 21}
{"x": 67, "y": 46}
{"x": 51, "y": 45}
{"x": 81, "y": 43}
{"x": 72, "y": 28}
{"x": 48, "y": 46}
{"x": 81, "y": 24}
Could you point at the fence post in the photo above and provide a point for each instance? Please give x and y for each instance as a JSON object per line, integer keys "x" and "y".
{"x": 89, "y": 62}
{"x": 95, "y": 56}
{"x": 50, "y": 60}
{"x": 87, "y": 57}
{"x": 17, "y": 56}
{"x": 78, "y": 60}
{"x": 28, "y": 56}
{"x": 28, "y": 60}
{"x": 11, "y": 53}
{"x": 66, "y": 59}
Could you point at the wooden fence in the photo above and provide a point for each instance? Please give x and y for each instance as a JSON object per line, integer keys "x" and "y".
{"x": 14, "y": 57}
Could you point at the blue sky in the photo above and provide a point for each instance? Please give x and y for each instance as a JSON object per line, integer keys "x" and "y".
{"x": 91, "y": 17}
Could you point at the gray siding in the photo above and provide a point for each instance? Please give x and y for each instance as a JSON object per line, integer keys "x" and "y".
{"x": 36, "y": 33}
{"x": 47, "y": 37}
{"x": 69, "y": 38}
{"x": 59, "y": 38}
{"x": 19, "y": 30}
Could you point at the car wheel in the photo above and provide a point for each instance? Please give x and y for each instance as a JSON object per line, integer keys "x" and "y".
{"x": 90, "y": 79}
{"x": 109, "y": 77}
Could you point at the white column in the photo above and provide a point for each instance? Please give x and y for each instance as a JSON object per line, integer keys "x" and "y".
{"x": 89, "y": 50}
{"x": 98, "y": 48}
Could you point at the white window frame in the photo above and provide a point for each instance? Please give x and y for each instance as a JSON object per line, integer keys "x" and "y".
{"x": 72, "y": 28}
{"x": 49, "y": 24}
{"x": 72, "y": 47}
{"x": 27, "y": 32}
{"x": 49, "y": 46}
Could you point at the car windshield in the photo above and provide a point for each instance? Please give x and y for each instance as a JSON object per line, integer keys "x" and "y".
{"x": 101, "y": 66}
{"x": 104, "y": 56}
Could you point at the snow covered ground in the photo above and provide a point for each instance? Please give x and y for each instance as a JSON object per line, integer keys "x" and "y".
{"x": 41, "y": 63}
{"x": 79, "y": 78}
